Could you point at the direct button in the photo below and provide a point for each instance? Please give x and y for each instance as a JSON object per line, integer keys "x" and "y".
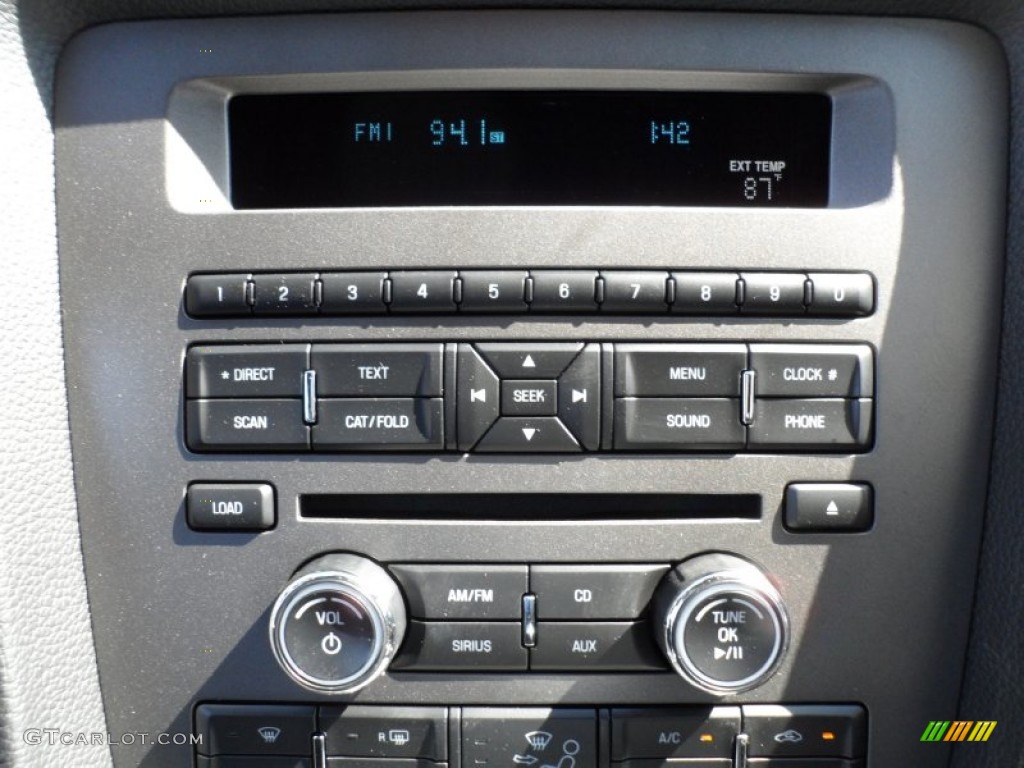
{"x": 813, "y": 370}
{"x": 463, "y": 592}
{"x": 391, "y": 732}
{"x": 245, "y": 425}
{"x": 587, "y": 592}
{"x": 449, "y": 646}
{"x": 806, "y": 731}
{"x": 255, "y": 729}
{"x": 674, "y": 733}
{"x": 679, "y": 370}
{"x": 822, "y": 424}
{"x": 528, "y": 398}
{"x": 382, "y": 424}
{"x": 378, "y": 370}
{"x": 250, "y": 370}
{"x": 230, "y": 506}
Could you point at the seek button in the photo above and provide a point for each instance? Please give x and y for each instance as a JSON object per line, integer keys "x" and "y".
{"x": 528, "y": 398}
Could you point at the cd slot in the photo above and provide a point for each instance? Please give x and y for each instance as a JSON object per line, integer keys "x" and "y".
{"x": 547, "y": 507}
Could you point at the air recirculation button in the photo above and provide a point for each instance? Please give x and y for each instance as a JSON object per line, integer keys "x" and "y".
{"x": 337, "y": 625}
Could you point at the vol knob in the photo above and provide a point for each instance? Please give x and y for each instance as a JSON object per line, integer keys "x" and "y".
{"x": 337, "y": 624}
{"x": 721, "y": 623}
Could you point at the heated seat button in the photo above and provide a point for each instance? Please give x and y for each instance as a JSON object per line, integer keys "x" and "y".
{"x": 621, "y": 646}
{"x": 813, "y": 370}
{"x": 806, "y": 731}
{"x": 382, "y": 424}
{"x": 479, "y": 397}
{"x": 248, "y": 370}
{"x": 463, "y": 592}
{"x": 353, "y": 293}
{"x": 230, "y": 506}
{"x": 255, "y": 729}
{"x": 679, "y": 370}
{"x": 245, "y": 425}
{"x": 829, "y": 507}
{"x": 528, "y": 398}
{"x": 291, "y": 294}
{"x": 217, "y": 295}
{"x": 773, "y": 293}
{"x": 634, "y": 292}
{"x": 587, "y": 592}
{"x": 850, "y": 294}
{"x": 821, "y": 424}
{"x": 530, "y": 738}
{"x": 705, "y": 293}
{"x": 529, "y": 361}
{"x": 378, "y": 370}
{"x": 681, "y": 424}
{"x": 453, "y": 646}
{"x": 698, "y": 732}
{"x": 568, "y": 291}
{"x": 493, "y": 291}
{"x": 392, "y": 732}
{"x": 423, "y": 292}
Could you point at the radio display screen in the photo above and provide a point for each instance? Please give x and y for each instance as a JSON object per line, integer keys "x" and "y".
{"x": 529, "y": 147}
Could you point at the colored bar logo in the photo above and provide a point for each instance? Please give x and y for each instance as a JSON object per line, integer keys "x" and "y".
{"x": 958, "y": 730}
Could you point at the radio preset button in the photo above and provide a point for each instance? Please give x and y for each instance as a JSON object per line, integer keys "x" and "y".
{"x": 503, "y": 291}
{"x": 230, "y": 506}
{"x": 594, "y": 646}
{"x": 245, "y": 425}
{"x": 696, "y": 732}
{"x": 246, "y": 370}
{"x": 705, "y": 293}
{"x": 379, "y": 424}
{"x": 463, "y": 592}
{"x": 813, "y": 370}
{"x": 378, "y": 370}
{"x": 353, "y": 293}
{"x": 662, "y": 423}
{"x": 773, "y": 293}
{"x": 288, "y": 294}
{"x": 634, "y": 292}
{"x": 217, "y": 295}
{"x": 423, "y": 292}
{"x": 822, "y": 424}
{"x": 564, "y": 291}
{"x": 449, "y": 646}
{"x": 589, "y": 592}
{"x": 849, "y": 294}
{"x": 528, "y": 398}
{"x": 679, "y": 370}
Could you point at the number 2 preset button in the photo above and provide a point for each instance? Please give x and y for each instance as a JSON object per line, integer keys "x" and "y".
{"x": 427, "y": 291}
{"x": 290, "y": 294}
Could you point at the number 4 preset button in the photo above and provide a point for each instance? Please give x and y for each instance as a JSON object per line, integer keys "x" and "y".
{"x": 423, "y": 292}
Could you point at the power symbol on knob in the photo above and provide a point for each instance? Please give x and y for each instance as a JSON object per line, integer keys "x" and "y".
{"x": 331, "y": 644}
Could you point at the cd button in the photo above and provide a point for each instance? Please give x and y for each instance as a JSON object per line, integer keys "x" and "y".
{"x": 493, "y": 291}
{"x": 630, "y": 292}
{"x": 586, "y": 592}
{"x": 679, "y": 370}
{"x": 353, "y": 293}
{"x": 528, "y": 398}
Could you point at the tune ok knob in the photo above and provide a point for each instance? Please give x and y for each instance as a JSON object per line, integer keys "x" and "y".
{"x": 338, "y": 623}
{"x": 721, "y": 623}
